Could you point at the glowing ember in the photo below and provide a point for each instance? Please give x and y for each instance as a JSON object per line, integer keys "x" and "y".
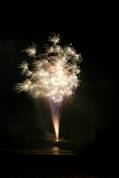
{"x": 54, "y": 76}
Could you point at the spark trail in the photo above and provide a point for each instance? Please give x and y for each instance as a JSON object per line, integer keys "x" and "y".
{"x": 53, "y": 76}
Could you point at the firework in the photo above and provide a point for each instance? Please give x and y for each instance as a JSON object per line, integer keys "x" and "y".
{"x": 53, "y": 76}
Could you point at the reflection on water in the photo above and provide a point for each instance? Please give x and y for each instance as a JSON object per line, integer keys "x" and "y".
{"x": 55, "y": 150}
{"x": 58, "y": 151}
{"x": 63, "y": 147}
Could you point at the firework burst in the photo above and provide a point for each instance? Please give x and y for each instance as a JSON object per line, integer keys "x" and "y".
{"x": 54, "y": 76}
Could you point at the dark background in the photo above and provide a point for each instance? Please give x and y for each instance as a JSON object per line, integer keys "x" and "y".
{"x": 90, "y": 121}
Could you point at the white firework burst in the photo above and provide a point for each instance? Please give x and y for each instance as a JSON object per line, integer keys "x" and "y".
{"x": 31, "y": 51}
{"x": 52, "y": 76}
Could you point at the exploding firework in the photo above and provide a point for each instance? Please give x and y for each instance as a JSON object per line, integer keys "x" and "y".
{"x": 53, "y": 76}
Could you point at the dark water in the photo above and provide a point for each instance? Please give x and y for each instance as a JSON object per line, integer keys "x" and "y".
{"x": 48, "y": 151}
{"x": 62, "y": 147}
{"x": 57, "y": 160}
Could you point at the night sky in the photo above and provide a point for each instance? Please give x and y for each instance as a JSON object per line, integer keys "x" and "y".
{"x": 89, "y": 121}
